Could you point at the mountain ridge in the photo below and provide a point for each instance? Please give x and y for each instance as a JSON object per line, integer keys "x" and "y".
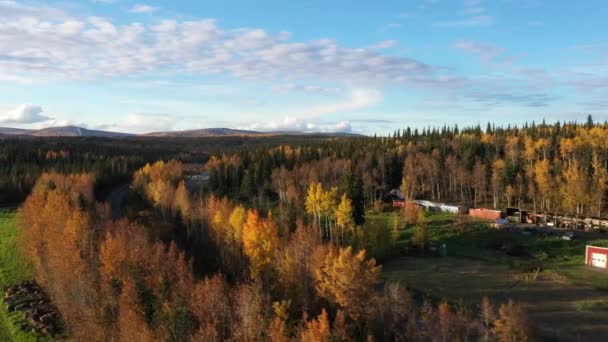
{"x": 75, "y": 131}
{"x": 61, "y": 131}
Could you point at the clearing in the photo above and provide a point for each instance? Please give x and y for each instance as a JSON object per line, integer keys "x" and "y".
{"x": 566, "y": 300}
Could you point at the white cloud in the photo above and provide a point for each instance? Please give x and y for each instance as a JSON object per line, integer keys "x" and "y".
{"x": 476, "y": 20}
{"x": 386, "y": 44}
{"x": 142, "y": 123}
{"x": 41, "y": 46}
{"x": 143, "y": 8}
{"x": 358, "y": 99}
{"x": 289, "y": 124}
{"x": 297, "y": 88}
{"x": 309, "y": 119}
{"x": 472, "y": 14}
{"x": 486, "y": 52}
{"x": 24, "y": 114}
{"x": 12, "y": 9}
{"x": 70, "y": 27}
{"x": 391, "y": 26}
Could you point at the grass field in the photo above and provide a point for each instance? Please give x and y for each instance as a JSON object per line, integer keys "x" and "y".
{"x": 566, "y": 300}
{"x": 560, "y": 309}
{"x": 521, "y": 252}
{"x": 13, "y": 270}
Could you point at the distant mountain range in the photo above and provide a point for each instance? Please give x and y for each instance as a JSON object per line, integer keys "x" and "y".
{"x": 65, "y": 131}
{"x": 205, "y": 132}
{"x": 73, "y": 131}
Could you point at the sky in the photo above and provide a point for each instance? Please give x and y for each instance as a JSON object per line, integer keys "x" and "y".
{"x": 351, "y": 66}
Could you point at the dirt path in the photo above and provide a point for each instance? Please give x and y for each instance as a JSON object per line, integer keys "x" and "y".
{"x": 116, "y": 199}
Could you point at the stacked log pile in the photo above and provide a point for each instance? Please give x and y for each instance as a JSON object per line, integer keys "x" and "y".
{"x": 42, "y": 316}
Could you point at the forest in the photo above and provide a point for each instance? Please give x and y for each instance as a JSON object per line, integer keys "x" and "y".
{"x": 113, "y": 161}
{"x": 275, "y": 245}
{"x": 545, "y": 168}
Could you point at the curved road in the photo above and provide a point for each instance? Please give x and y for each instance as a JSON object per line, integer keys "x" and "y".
{"x": 116, "y": 199}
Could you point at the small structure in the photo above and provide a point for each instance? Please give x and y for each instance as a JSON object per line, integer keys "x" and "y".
{"x": 428, "y": 205}
{"x": 398, "y": 204}
{"x": 520, "y": 215}
{"x": 596, "y": 256}
{"x": 486, "y": 214}
{"x": 441, "y": 207}
{"x": 452, "y": 209}
{"x": 397, "y": 197}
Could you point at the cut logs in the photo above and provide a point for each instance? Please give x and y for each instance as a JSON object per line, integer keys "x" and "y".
{"x": 29, "y": 298}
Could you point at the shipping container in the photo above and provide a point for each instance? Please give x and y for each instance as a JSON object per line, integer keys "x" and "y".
{"x": 487, "y": 214}
{"x": 452, "y": 209}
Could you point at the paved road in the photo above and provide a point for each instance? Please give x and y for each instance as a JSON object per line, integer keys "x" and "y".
{"x": 116, "y": 199}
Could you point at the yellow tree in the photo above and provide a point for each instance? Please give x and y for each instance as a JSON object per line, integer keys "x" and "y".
{"x": 421, "y": 236}
{"x": 398, "y": 312}
{"x": 498, "y": 174}
{"x": 344, "y": 215}
{"x": 600, "y": 180}
{"x": 543, "y": 146}
{"x": 260, "y": 241}
{"x": 314, "y": 195}
{"x": 329, "y": 203}
{"x": 237, "y": 219}
{"x": 574, "y": 188}
{"x": 161, "y": 192}
{"x": 278, "y": 327}
{"x": 317, "y": 330}
{"x": 509, "y": 193}
{"x": 411, "y": 212}
{"x": 529, "y": 149}
{"x": 544, "y": 182}
{"x": 486, "y": 316}
{"x": 446, "y": 322}
{"x": 112, "y": 256}
{"x": 295, "y": 265}
{"x": 512, "y": 323}
{"x": 131, "y": 324}
{"x": 512, "y": 148}
{"x": 566, "y": 148}
{"x": 479, "y": 181}
{"x": 411, "y": 175}
{"x": 181, "y": 201}
{"x": 348, "y": 279}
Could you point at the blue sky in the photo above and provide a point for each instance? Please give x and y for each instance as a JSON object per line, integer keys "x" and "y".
{"x": 362, "y": 66}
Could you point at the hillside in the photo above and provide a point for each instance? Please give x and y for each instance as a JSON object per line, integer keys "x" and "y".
{"x": 205, "y": 132}
{"x": 74, "y": 131}
{"x": 63, "y": 131}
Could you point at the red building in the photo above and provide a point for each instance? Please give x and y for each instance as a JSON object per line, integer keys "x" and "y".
{"x": 487, "y": 214}
{"x": 596, "y": 256}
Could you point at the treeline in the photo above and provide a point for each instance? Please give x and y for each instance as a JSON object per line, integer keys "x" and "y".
{"x": 554, "y": 168}
{"x": 544, "y": 168}
{"x": 115, "y": 280}
{"x": 23, "y": 161}
{"x": 112, "y": 160}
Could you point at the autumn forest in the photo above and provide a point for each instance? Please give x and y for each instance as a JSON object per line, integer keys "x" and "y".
{"x": 276, "y": 238}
